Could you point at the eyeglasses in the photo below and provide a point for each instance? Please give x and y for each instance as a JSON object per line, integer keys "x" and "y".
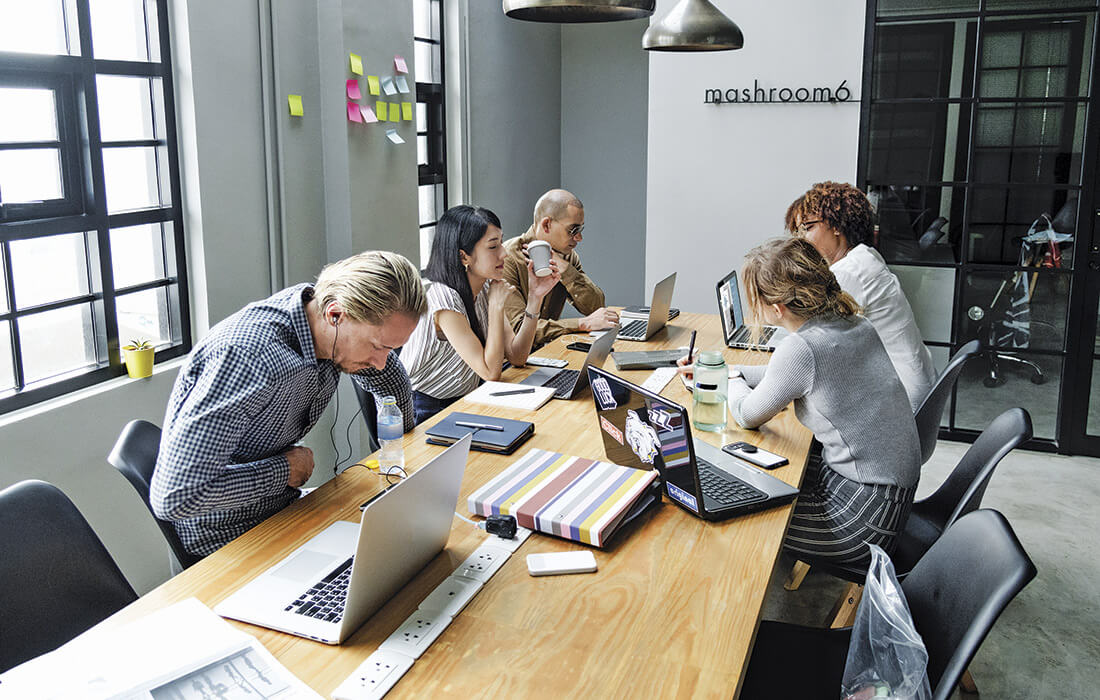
{"x": 574, "y": 231}
{"x": 805, "y": 226}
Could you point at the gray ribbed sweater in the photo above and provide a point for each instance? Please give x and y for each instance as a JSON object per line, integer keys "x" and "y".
{"x": 845, "y": 390}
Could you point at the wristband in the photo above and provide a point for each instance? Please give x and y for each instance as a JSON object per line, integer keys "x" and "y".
{"x": 530, "y": 315}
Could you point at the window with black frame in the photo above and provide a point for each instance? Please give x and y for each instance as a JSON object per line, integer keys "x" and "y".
{"x": 973, "y": 133}
{"x": 431, "y": 142}
{"x": 91, "y": 241}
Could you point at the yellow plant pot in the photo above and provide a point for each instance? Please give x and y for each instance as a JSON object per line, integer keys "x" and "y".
{"x": 139, "y": 363}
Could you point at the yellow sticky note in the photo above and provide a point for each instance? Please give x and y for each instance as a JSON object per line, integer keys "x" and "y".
{"x": 356, "y": 63}
{"x": 295, "y": 102}
{"x": 407, "y": 111}
{"x": 373, "y": 84}
{"x": 381, "y": 110}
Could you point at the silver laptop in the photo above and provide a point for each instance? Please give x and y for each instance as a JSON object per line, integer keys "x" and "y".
{"x": 658, "y": 313}
{"x": 567, "y": 383}
{"x": 733, "y": 320}
{"x": 329, "y": 586}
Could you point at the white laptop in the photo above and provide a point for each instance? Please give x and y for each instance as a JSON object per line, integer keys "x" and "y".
{"x": 639, "y": 329}
{"x": 401, "y": 530}
{"x": 733, "y": 320}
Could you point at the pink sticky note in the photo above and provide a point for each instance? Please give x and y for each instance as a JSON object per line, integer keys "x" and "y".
{"x": 399, "y": 64}
{"x": 353, "y": 89}
{"x": 368, "y": 114}
{"x": 354, "y": 115}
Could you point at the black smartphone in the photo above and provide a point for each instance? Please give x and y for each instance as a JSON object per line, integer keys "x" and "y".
{"x": 579, "y": 345}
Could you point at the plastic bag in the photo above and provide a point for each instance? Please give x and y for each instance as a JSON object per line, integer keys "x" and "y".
{"x": 886, "y": 657}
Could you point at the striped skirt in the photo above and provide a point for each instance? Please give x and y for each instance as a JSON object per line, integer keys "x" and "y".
{"x": 836, "y": 518}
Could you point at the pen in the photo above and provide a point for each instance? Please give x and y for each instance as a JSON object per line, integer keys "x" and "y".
{"x": 513, "y": 391}
{"x": 479, "y": 426}
{"x": 691, "y": 345}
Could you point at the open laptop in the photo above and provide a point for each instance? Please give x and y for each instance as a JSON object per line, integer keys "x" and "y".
{"x": 644, "y": 430}
{"x": 733, "y": 320}
{"x": 328, "y": 587}
{"x": 658, "y": 313}
{"x": 567, "y": 383}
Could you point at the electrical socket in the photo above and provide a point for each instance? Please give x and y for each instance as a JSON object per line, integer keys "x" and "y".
{"x": 374, "y": 677}
{"x": 417, "y": 633}
{"x": 451, "y": 596}
{"x": 511, "y": 545}
{"x": 483, "y": 563}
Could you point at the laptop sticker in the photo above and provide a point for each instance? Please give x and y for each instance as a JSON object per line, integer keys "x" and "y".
{"x": 602, "y": 391}
{"x": 641, "y": 437}
{"x": 678, "y": 494}
{"x": 610, "y": 429}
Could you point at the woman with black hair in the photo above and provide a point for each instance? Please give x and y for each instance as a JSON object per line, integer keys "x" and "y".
{"x": 465, "y": 337}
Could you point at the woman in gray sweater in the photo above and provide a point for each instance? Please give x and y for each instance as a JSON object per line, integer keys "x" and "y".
{"x": 835, "y": 369}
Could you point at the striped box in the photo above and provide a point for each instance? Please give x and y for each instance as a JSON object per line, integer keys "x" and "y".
{"x": 572, "y": 497}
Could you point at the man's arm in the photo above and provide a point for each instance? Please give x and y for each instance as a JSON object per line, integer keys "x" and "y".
{"x": 391, "y": 381}
{"x": 547, "y": 329}
{"x": 586, "y": 296}
{"x": 194, "y": 472}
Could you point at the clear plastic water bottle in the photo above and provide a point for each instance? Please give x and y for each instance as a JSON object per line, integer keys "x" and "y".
{"x": 708, "y": 411}
{"x": 391, "y": 433}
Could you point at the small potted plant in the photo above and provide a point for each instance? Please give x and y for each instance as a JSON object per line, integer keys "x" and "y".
{"x": 138, "y": 355}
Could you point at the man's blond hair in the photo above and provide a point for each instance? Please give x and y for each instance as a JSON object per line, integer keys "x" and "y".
{"x": 372, "y": 286}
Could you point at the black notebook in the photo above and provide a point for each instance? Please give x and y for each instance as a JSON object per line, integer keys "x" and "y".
{"x": 499, "y": 435}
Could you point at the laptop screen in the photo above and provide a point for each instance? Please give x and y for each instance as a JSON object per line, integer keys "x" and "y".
{"x": 646, "y": 431}
{"x": 729, "y": 305}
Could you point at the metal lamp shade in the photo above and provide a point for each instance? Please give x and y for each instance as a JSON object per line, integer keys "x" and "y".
{"x": 573, "y": 11}
{"x": 693, "y": 25}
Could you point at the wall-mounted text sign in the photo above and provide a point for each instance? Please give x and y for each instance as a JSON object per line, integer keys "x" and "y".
{"x": 761, "y": 95}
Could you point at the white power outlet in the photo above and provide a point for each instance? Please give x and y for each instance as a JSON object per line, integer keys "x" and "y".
{"x": 483, "y": 563}
{"x": 417, "y": 633}
{"x": 511, "y": 545}
{"x": 374, "y": 677}
{"x": 451, "y": 596}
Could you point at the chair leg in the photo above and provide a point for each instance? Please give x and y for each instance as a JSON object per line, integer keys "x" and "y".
{"x": 798, "y": 573}
{"x": 844, "y": 612}
{"x": 966, "y": 683}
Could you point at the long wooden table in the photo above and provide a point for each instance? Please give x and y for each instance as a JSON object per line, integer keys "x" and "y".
{"x": 672, "y": 611}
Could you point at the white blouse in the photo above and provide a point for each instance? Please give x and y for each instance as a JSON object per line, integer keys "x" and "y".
{"x": 863, "y": 274}
{"x": 434, "y": 366}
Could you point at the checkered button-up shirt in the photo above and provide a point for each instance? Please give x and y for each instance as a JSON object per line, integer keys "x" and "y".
{"x": 250, "y": 390}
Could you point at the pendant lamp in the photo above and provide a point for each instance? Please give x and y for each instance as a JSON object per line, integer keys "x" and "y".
{"x": 572, "y": 11}
{"x": 693, "y": 25}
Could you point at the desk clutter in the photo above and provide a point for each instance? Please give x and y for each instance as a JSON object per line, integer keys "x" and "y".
{"x": 576, "y": 498}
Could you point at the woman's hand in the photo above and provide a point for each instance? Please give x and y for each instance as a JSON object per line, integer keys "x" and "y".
{"x": 541, "y": 286}
{"x": 686, "y": 365}
{"x": 498, "y": 292}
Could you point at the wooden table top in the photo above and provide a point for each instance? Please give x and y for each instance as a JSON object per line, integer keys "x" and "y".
{"x": 672, "y": 611}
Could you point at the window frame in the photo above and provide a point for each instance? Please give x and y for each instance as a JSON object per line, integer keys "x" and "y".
{"x": 433, "y": 97}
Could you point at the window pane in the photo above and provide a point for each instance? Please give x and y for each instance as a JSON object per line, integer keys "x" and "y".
{"x": 1035, "y": 4}
{"x": 3, "y": 289}
{"x": 27, "y": 114}
{"x": 31, "y": 175}
{"x": 421, "y": 116}
{"x": 422, "y": 18}
{"x": 423, "y": 67}
{"x": 56, "y": 342}
{"x": 126, "y": 107}
{"x": 931, "y": 294}
{"x": 143, "y": 316}
{"x": 918, "y": 223}
{"x": 978, "y": 404}
{"x": 1049, "y": 55}
{"x": 137, "y": 254}
{"x": 132, "y": 178}
{"x": 1001, "y": 218}
{"x": 7, "y": 375}
{"x": 1015, "y": 310}
{"x": 427, "y": 235}
{"x": 32, "y": 27}
{"x": 428, "y": 207}
{"x": 908, "y": 141}
{"x": 49, "y": 269}
{"x": 888, "y": 8}
{"x": 118, "y": 29}
{"x": 914, "y": 60}
{"x": 422, "y": 150}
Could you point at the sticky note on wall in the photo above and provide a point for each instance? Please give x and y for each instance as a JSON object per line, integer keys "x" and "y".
{"x": 354, "y": 115}
{"x": 407, "y": 111}
{"x": 368, "y": 114}
{"x": 373, "y": 85}
{"x": 353, "y": 89}
{"x": 399, "y": 64}
{"x": 356, "y": 63}
{"x": 380, "y": 108}
{"x": 295, "y": 102}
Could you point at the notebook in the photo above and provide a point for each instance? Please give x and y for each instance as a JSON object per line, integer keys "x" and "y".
{"x": 645, "y": 430}
{"x": 529, "y": 400}
{"x": 361, "y": 564}
{"x": 733, "y": 319}
{"x": 639, "y": 329}
{"x": 490, "y": 434}
{"x": 648, "y": 359}
{"x": 579, "y": 499}
{"x": 568, "y": 382}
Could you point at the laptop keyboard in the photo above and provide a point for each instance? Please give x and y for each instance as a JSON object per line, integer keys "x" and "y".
{"x": 634, "y": 329}
{"x": 725, "y": 489}
{"x": 563, "y": 382}
{"x": 742, "y": 335}
{"x": 325, "y": 599}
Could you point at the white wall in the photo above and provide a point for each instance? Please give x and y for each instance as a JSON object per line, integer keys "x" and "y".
{"x": 720, "y": 177}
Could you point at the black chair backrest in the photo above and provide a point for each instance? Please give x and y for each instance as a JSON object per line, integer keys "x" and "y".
{"x": 57, "y": 577}
{"x": 135, "y": 455}
{"x": 958, "y": 589}
{"x": 930, "y": 412}
{"x": 962, "y": 491}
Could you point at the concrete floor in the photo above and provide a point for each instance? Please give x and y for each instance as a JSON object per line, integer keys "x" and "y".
{"x": 1046, "y": 644}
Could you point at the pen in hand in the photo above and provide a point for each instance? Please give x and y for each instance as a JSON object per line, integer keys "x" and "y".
{"x": 691, "y": 345}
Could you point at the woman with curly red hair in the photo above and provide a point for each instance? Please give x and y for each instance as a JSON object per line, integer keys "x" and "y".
{"x": 839, "y": 221}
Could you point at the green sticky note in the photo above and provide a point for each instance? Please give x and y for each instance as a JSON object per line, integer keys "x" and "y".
{"x": 381, "y": 111}
{"x": 295, "y": 102}
{"x": 407, "y": 111}
{"x": 374, "y": 85}
{"x": 356, "y": 63}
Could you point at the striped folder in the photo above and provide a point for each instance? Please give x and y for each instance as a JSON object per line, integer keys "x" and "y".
{"x": 572, "y": 497}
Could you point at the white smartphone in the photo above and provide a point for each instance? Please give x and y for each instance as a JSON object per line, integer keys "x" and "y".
{"x": 551, "y": 563}
{"x": 754, "y": 455}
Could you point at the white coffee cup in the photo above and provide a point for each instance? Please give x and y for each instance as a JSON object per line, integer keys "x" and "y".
{"x": 539, "y": 252}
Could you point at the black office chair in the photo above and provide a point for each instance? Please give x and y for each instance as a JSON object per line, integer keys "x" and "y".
{"x": 135, "y": 455}
{"x": 57, "y": 577}
{"x": 369, "y": 408}
{"x": 930, "y": 412}
{"x": 955, "y": 593}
